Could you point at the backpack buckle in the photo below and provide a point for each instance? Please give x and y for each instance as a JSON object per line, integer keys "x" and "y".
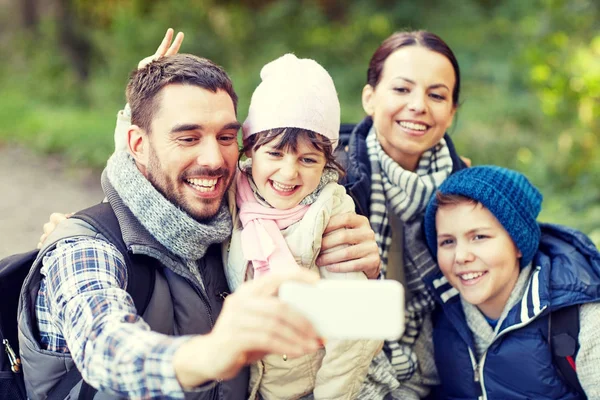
{"x": 15, "y": 362}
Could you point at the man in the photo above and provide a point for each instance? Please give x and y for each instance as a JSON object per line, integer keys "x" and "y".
{"x": 167, "y": 192}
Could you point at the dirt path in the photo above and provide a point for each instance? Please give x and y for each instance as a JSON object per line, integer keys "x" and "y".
{"x": 31, "y": 187}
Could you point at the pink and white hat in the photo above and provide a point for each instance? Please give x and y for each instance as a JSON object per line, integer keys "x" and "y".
{"x": 294, "y": 93}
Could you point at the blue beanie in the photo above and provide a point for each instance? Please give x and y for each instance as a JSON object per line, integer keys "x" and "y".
{"x": 507, "y": 194}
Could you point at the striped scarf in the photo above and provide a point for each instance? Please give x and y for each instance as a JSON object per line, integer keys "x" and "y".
{"x": 406, "y": 193}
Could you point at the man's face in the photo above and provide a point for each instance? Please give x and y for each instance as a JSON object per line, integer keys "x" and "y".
{"x": 193, "y": 149}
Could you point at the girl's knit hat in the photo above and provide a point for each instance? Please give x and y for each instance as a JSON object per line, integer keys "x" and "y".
{"x": 507, "y": 194}
{"x": 294, "y": 93}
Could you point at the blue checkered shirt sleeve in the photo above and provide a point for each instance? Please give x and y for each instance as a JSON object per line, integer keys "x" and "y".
{"x": 83, "y": 309}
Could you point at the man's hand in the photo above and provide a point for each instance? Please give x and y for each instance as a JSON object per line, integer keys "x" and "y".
{"x": 165, "y": 48}
{"x": 50, "y": 226}
{"x": 253, "y": 323}
{"x": 361, "y": 252}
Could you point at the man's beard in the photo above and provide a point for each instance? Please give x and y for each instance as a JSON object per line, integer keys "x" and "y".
{"x": 167, "y": 187}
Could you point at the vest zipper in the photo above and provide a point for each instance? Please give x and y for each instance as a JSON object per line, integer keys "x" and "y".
{"x": 509, "y": 329}
{"x": 217, "y": 390}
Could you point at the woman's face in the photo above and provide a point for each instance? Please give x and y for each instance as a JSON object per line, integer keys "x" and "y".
{"x": 411, "y": 106}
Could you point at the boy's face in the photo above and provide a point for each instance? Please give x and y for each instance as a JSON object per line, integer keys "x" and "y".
{"x": 477, "y": 256}
{"x": 284, "y": 177}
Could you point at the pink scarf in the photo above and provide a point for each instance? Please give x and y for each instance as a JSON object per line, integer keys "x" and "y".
{"x": 262, "y": 241}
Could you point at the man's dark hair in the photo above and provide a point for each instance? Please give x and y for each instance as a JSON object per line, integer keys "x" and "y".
{"x": 145, "y": 83}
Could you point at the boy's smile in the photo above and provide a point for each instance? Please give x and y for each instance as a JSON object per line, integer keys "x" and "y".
{"x": 477, "y": 256}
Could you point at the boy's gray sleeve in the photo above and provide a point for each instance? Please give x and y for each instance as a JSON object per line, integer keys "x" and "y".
{"x": 588, "y": 356}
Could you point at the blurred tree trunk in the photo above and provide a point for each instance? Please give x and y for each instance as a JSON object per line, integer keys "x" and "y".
{"x": 73, "y": 39}
{"x": 30, "y": 15}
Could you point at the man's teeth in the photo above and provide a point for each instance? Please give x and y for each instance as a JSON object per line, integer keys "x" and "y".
{"x": 471, "y": 275}
{"x": 203, "y": 185}
{"x": 283, "y": 188}
{"x": 413, "y": 126}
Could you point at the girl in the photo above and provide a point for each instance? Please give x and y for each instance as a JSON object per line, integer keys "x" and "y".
{"x": 286, "y": 192}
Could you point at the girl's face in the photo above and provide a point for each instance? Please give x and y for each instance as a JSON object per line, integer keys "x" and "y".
{"x": 477, "y": 256}
{"x": 411, "y": 106}
{"x": 283, "y": 177}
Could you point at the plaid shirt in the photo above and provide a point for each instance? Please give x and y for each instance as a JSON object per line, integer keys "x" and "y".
{"x": 83, "y": 309}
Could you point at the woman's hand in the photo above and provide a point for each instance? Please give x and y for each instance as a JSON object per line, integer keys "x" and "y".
{"x": 166, "y": 48}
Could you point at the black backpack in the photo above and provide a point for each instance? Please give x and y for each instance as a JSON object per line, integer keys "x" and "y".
{"x": 13, "y": 271}
{"x": 563, "y": 325}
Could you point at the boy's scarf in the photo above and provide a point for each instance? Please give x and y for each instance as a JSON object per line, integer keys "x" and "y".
{"x": 175, "y": 229}
{"x": 407, "y": 194}
{"x": 262, "y": 241}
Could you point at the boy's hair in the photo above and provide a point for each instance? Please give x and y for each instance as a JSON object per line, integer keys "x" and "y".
{"x": 444, "y": 200}
{"x": 507, "y": 194}
{"x": 289, "y": 142}
{"x": 146, "y": 83}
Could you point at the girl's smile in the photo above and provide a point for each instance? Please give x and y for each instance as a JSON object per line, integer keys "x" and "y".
{"x": 284, "y": 177}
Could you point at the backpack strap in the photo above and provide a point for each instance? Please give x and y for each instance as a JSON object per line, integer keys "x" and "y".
{"x": 140, "y": 278}
{"x": 140, "y": 285}
{"x": 564, "y": 342}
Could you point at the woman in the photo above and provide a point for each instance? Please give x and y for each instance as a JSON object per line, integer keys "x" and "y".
{"x": 395, "y": 159}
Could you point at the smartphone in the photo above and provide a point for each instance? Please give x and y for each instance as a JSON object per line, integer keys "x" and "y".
{"x": 348, "y": 309}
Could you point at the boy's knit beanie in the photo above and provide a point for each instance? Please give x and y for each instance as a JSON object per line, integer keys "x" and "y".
{"x": 507, "y": 194}
{"x": 294, "y": 93}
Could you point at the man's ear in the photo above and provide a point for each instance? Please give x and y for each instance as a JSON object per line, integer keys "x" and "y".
{"x": 367, "y": 99}
{"x": 138, "y": 143}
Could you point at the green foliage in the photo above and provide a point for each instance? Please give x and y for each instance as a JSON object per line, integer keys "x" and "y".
{"x": 530, "y": 72}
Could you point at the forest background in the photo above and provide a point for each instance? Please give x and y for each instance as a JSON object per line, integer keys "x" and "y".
{"x": 530, "y": 73}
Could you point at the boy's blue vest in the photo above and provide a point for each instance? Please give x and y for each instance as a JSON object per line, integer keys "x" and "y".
{"x": 518, "y": 364}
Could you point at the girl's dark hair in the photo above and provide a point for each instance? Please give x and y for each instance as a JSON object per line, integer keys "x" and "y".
{"x": 289, "y": 141}
{"x": 415, "y": 38}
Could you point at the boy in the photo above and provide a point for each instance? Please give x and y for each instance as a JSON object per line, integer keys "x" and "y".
{"x": 501, "y": 275}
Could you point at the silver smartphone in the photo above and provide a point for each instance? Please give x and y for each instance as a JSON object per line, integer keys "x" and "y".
{"x": 348, "y": 309}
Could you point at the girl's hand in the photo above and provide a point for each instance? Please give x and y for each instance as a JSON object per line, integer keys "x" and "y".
{"x": 55, "y": 219}
{"x": 166, "y": 48}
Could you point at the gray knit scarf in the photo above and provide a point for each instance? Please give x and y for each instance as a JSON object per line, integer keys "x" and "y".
{"x": 407, "y": 194}
{"x": 181, "y": 234}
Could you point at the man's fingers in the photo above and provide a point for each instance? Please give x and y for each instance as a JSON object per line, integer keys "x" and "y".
{"x": 164, "y": 45}
{"x": 346, "y": 220}
{"x": 174, "y": 49}
{"x": 359, "y": 257}
{"x": 279, "y": 326}
{"x": 347, "y": 237}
